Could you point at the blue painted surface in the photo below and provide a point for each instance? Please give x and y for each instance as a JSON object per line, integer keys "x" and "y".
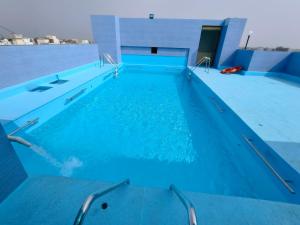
{"x": 106, "y": 33}
{"x": 243, "y": 58}
{"x": 12, "y": 173}
{"x": 163, "y": 33}
{"x": 166, "y": 130}
{"x": 12, "y": 101}
{"x": 265, "y": 61}
{"x": 131, "y": 205}
{"x": 230, "y": 39}
{"x": 22, "y": 63}
{"x": 269, "y": 61}
{"x": 267, "y": 104}
{"x": 293, "y": 63}
{"x": 154, "y": 60}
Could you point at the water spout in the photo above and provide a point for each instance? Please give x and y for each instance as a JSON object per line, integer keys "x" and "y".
{"x": 19, "y": 140}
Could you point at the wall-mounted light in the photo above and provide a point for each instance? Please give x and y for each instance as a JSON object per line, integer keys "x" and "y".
{"x": 248, "y": 38}
{"x": 151, "y": 16}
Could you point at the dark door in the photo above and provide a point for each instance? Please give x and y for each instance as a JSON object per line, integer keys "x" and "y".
{"x": 209, "y": 41}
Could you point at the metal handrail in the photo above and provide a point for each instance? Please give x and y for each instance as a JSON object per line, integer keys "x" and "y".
{"x": 111, "y": 61}
{"x": 192, "y": 220}
{"x": 20, "y": 140}
{"x": 268, "y": 164}
{"x": 219, "y": 108}
{"x": 68, "y": 100}
{"x": 27, "y": 124}
{"x": 206, "y": 60}
{"x": 91, "y": 198}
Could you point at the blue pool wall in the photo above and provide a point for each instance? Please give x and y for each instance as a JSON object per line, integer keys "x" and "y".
{"x": 172, "y": 37}
{"x": 268, "y": 61}
{"x": 22, "y": 63}
{"x": 12, "y": 173}
{"x": 150, "y": 60}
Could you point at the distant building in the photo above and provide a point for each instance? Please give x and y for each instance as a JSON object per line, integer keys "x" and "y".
{"x": 72, "y": 41}
{"x": 42, "y": 41}
{"x": 85, "y": 42}
{"x": 53, "y": 39}
{"x": 5, "y": 42}
{"x": 280, "y": 48}
{"x": 18, "y": 39}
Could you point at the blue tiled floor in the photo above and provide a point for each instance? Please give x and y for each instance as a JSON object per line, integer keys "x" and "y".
{"x": 269, "y": 105}
{"x": 55, "y": 200}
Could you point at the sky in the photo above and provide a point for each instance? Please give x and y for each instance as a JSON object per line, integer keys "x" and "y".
{"x": 274, "y": 22}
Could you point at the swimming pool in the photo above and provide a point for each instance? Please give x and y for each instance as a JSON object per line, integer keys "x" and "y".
{"x": 156, "y": 126}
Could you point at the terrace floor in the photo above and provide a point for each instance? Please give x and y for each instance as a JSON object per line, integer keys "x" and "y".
{"x": 32, "y": 201}
{"x": 269, "y": 105}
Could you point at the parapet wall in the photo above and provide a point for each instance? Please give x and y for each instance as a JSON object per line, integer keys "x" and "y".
{"x": 268, "y": 61}
{"x": 19, "y": 64}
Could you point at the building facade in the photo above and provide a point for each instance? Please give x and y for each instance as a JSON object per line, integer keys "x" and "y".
{"x": 189, "y": 38}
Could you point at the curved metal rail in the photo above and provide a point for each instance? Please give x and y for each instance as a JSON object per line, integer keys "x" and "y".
{"x": 268, "y": 164}
{"x": 91, "y": 198}
{"x": 204, "y": 60}
{"x": 192, "y": 220}
{"x": 20, "y": 140}
{"x": 110, "y": 60}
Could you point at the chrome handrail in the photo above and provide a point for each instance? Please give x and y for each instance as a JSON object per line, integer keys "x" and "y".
{"x": 111, "y": 61}
{"x": 27, "y": 124}
{"x": 192, "y": 220}
{"x": 268, "y": 164}
{"x": 219, "y": 108}
{"x": 68, "y": 100}
{"x": 206, "y": 60}
{"x": 91, "y": 198}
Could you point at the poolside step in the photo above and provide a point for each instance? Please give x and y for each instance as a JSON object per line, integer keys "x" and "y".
{"x": 56, "y": 200}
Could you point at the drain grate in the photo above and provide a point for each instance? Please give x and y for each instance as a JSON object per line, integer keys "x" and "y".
{"x": 59, "y": 82}
{"x": 40, "y": 89}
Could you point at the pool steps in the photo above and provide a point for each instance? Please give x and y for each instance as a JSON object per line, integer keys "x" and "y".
{"x": 192, "y": 220}
{"x": 268, "y": 164}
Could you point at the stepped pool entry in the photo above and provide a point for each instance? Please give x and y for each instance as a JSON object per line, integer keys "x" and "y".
{"x": 157, "y": 126}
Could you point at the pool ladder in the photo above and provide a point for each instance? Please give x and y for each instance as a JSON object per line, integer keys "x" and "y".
{"x": 192, "y": 220}
{"x": 111, "y": 61}
{"x": 206, "y": 61}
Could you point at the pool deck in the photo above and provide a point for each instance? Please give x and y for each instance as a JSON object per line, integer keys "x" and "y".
{"x": 19, "y": 104}
{"x": 269, "y": 105}
{"x": 131, "y": 205}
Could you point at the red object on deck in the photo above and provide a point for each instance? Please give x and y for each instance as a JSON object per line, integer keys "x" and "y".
{"x": 231, "y": 70}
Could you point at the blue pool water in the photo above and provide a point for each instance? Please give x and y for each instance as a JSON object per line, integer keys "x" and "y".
{"x": 155, "y": 127}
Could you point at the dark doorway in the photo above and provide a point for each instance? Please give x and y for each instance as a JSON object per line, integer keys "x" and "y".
{"x": 209, "y": 41}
